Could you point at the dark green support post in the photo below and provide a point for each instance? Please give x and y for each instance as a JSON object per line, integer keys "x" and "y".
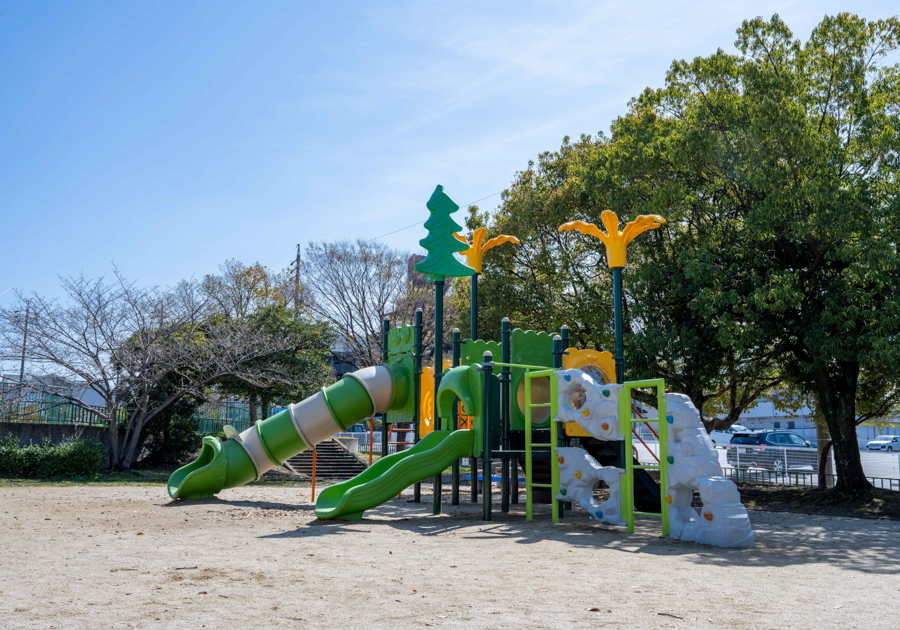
{"x": 505, "y": 378}
{"x": 620, "y": 344}
{"x": 438, "y": 373}
{"x": 474, "y": 308}
{"x": 417, "y": 368}
{"x": 557, "y": 365}
{"x": 439, "y": 264}
{"x": 487, "y": 458}
{"x": 564, "y": 333}
{"x": 457, "y": 353}
{"x": 385, "y": 438}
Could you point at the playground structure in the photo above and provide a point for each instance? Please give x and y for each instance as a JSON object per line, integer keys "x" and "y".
{"x": 565, "y": 416}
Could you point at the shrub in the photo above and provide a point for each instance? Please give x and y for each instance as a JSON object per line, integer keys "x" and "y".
{"x": 169, "y": 441}
{"x": 74, "y": 457}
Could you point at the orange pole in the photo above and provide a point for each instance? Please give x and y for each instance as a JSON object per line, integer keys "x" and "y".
{"x": 638, "y": 414}
{"x": 314, "y": 477}
{"x": 371, "y": 437}
{"x": 644, "y": 443}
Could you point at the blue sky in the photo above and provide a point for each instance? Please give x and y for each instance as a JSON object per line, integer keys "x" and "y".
{"x": 167, "y": 137}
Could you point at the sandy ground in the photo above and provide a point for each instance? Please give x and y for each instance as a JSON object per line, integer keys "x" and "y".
{"x": 127, "y": 557}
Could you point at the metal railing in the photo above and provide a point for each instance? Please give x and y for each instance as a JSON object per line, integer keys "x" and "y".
{"x": 759, "y": 477}
{"x": 49, "y": 412}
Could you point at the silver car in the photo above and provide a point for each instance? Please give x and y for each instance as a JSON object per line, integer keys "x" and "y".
{"x": 721, "y": 439}
{"x": 889, "y": 443}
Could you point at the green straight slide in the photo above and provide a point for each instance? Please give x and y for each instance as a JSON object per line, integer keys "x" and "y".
{"x": 390, "y": 475}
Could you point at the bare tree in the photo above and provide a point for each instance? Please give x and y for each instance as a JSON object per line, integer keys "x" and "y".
{"x": 238, "y": 289}
{"x": 127, "y": 344}
{"x": 354, "y": 285}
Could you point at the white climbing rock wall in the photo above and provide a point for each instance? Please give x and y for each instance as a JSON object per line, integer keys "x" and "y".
{"x": 694, "y": 465}
{"x": 578, "y": 474}
{"x": 599, "y": 412}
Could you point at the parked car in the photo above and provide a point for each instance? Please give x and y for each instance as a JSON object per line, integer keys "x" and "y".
{"x": 721, "y": 439}
{"x": 889, "y": 443}
{"x": 772, "y": 450}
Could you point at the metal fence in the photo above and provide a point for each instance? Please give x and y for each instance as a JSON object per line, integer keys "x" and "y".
{"x": 761, "y": 477}
{"x": 50, "y": 412}
{"x": 211, "y": 417}
{"x": 773, "y": 465}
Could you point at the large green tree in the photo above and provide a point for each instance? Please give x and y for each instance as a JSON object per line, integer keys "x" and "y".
{"x": 779, "y": 164}
{"x": 552, "y": 278}
{"x": 302, "y": 361}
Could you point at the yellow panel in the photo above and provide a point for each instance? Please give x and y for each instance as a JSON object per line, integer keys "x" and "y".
{"x": 597, "y": 364}
{"x": 426, "y": 400}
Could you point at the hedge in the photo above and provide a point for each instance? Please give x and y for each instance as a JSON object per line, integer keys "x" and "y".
{"x": 74, "y": 457}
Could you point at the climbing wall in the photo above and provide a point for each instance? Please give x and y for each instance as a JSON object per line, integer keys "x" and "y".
{"x": 579, "y": 473}
{"x": 694, "y": 465}
{"x": 593, "y": 406}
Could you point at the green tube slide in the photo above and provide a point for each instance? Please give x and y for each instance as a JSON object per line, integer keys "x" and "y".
{"x": 390, "y": 475}
{"x": 269, "y": 443}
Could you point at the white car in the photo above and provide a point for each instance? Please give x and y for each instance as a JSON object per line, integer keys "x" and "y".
{"x": 889, "y": 443}
{"x": 721, "y": 439}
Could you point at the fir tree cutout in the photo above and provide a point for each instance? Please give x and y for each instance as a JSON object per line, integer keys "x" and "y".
{"x": 440, "y": 242}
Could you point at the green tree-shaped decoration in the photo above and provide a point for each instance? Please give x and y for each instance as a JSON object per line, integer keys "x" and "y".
{"x": 440, "y": 242}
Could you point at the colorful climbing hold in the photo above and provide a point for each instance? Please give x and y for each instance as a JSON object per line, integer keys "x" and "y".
{"x": 578, "y": 475}
{"x": 707, "y": 516}
{"x": 561, "y": 460}
{"x": 668, "y": 499}
{"x": 604, "y": 426}
{"x": 568, "y": 377}
{"x": 606, "y": 393}
{"x": 598, "y": 514}
{"x": 670, "y": 419}
{"x": 670, "y": 459}
{"x": 562, "y": 491}
{"x": 585, "y": 413}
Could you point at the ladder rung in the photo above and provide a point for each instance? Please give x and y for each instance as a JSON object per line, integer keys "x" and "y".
{"x": 544, "y": 445}
{"x": 639, "y": 420}
{"x": 647, "y": 514}
{"x": 541, "y": 485}
{"x": 540, "y": 404}
{"x": 646, "y": 467}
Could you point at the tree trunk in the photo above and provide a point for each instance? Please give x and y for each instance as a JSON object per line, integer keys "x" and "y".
{"x": 131, "y": 451}
{"x": 113, "y": 428}
{"x": 837, "y": 402}
{"x": 824, "y": 450}
{"x": 264, "y": 406}
{"x": 252, "y": 404}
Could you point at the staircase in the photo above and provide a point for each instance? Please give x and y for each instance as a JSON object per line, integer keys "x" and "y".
{"x": 333, "y": 461}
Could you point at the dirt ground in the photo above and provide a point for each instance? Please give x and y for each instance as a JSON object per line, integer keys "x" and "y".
{"x": 127, "y": 557}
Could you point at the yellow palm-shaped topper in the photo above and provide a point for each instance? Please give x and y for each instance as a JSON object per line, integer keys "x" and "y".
{"x": 476, "y": 250}
{"x": 616, "y": 242}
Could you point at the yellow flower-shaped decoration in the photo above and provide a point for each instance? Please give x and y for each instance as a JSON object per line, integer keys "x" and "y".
{"x": 616, "y": 242}
{"x": 476, "y": 250}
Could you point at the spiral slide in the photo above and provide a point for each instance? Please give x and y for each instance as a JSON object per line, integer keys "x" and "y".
{"x": 269, "y": 443}
{"x": 390, "y": 475}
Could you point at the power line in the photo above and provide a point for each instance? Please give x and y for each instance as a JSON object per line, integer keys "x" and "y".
{"x": 421, "y": 222}
{"x": 411, "y": 225}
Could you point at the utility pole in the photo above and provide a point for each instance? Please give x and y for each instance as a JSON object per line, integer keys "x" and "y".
{"x": 297, "y": 280}
{"x": 24, "y": 342}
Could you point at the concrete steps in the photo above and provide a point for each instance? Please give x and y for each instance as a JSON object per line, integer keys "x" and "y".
{"x": 333, "y": 461}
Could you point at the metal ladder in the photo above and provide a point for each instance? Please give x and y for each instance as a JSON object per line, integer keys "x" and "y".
{"x": 625, "y": 426}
